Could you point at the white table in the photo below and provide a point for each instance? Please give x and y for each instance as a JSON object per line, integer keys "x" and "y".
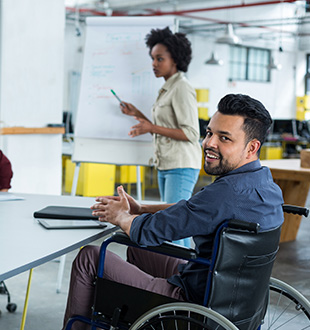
{"x": 25, "y": 244}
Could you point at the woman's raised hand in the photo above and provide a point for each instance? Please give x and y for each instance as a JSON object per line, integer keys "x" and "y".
{"x": 129, "y": 109}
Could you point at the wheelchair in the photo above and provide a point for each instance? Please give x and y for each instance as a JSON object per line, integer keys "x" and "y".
{"x": 240, "y": 293}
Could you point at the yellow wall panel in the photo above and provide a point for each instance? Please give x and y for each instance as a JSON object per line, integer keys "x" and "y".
{"x": 271, "y": 152}
{"x": 202, "y": 95}
{"x": 203, "y": 113}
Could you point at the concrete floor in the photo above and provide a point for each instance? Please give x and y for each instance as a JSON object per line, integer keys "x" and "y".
{"x": 46, "y": 307}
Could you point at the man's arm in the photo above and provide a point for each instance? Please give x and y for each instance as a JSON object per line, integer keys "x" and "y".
{"x": 153, "y": 208}
{"x": 122, "y": 210}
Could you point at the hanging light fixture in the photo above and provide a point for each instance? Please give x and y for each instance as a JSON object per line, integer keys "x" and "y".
{"x": 273, "y": 65}
{"x": 229, "y": 37}
{"x": 214, "y": 61}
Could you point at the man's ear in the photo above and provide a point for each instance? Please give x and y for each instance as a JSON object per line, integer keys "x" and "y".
{"x": 253, "y": 147}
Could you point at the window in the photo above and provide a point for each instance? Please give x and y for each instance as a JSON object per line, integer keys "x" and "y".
{"x": 307, "y": 77}
{"x": 249, "y": 63}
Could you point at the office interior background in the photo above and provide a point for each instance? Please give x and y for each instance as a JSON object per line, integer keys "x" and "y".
{"x": 267, "y": 57}
{"x": 42, "y": 53}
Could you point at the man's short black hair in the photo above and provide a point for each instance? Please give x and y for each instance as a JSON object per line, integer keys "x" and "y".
{"x": 257, "y": 119}
{"x": 177, "y": 44}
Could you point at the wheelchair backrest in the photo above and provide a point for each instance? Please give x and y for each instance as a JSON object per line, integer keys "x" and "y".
{"x": 239, "y": 282}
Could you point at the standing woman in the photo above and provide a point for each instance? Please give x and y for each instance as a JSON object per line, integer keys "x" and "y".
{"x": 174, "y": 125}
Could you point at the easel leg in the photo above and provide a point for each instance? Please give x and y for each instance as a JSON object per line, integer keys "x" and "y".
{"x": 75, "y": 178}
{"x": 139, "y": 196}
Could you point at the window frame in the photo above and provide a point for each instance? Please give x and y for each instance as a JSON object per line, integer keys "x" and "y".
{"x": 246, "y": 67}
{"x": 307, "y": 76}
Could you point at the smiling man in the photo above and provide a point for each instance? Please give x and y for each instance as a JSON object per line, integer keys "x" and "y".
{"x": 235, "y": 134}
{"x": 243, "y": 190}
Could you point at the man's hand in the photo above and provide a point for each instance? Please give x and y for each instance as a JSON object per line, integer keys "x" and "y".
{"x": 116, "y": 210}
{"x": 135, "y": 207}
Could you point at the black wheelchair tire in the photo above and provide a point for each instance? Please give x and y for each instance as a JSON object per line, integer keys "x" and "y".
{"x": 287, "y": 308}
{"x": 158, "y": 313}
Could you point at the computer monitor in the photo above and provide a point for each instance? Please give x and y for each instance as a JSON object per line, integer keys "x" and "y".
{"x": 67, "y": 121}
{"x": 284, "y": 126}
{"x": 203, "y": 124}
{"x": 303, "y": 129}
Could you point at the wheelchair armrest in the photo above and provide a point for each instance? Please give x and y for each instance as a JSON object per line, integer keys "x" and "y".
{"x": 295, "y": 209}
{"x": 166, "y": 248}
{"x": 244, "y": 225}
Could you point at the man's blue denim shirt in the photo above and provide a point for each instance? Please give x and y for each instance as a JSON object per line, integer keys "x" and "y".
{"x": 247, "y": 193}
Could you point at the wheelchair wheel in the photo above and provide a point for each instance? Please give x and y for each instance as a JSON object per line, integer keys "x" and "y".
{"x": 287, "y": 308}
{"x": 182, "y": 316}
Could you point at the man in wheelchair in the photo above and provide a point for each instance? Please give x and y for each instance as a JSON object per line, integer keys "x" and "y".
{"x": 243, "y": 190}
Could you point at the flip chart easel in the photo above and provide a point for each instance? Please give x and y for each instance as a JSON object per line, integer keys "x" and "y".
{"x": 115, "y": 57}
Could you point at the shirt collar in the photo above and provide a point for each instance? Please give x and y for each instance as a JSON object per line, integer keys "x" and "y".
{"x": 178, "y": 75}
{"x": 249, "y": 167}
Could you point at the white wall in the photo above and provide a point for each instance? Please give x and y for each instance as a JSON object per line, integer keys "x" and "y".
{"x": 278, "y": 95}
{"x": 74, "y": 46}
{"x": 31, "y": 90}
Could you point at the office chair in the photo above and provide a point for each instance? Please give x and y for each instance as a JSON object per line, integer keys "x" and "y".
{"x": 5, "y": 186}
{"x": 239, "y": 292}
{"x": 11, "y": 307}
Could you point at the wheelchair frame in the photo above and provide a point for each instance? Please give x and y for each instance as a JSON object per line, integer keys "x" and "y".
{"x": 298, "y": 301}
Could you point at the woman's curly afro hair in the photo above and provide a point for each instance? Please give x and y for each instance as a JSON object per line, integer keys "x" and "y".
{"x": 177, "y": 44}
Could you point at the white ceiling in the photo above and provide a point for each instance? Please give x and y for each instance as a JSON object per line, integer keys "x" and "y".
{"x": 272, "y": 21}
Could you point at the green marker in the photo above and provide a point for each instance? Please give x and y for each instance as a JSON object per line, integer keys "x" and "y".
{"x": 120, "y": 101}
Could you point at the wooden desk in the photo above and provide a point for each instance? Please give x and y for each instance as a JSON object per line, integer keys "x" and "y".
{"x": 295, "y": 183}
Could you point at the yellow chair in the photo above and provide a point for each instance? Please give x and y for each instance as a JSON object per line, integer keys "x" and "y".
{"x": 127, "y": 175}
{"x": 94, "y": 179}
{"x": 271, "y": 152}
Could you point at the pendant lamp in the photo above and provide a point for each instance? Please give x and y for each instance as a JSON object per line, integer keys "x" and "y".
{"x": 214, "y": 61}
{"x": 229, "y": 37}
{"x": 273, "y": 65}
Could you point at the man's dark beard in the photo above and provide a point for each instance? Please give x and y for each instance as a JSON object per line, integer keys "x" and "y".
{"x": 221, "y": 169}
